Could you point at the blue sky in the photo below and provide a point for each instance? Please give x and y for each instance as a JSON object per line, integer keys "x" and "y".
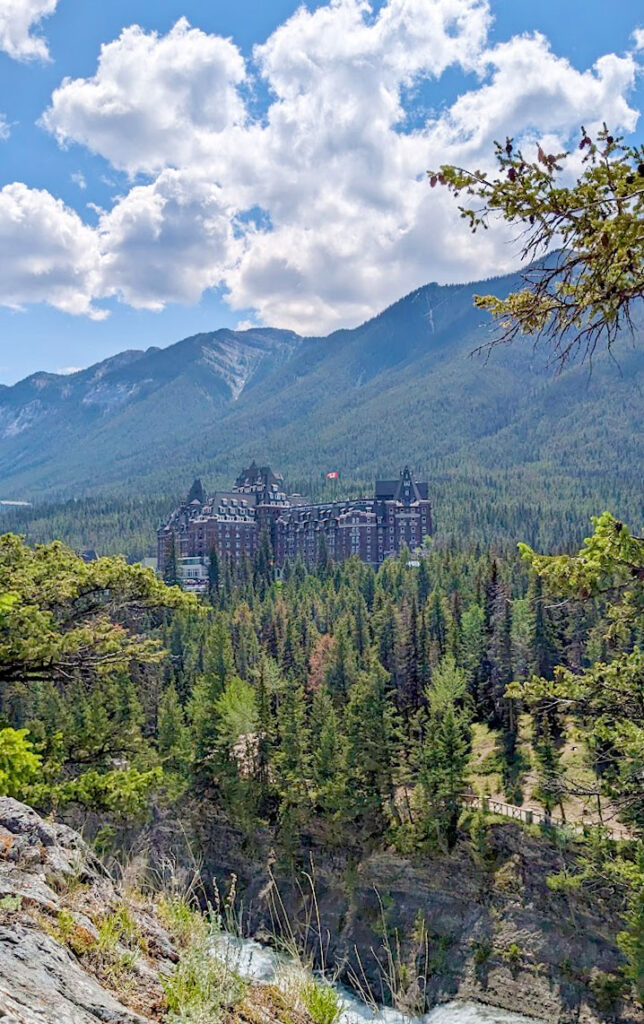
{"x": 189, "y": 181}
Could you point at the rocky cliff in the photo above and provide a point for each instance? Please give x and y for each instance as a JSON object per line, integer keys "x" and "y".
{"x": 77, "y": 948}
{"x": 477, "y": 924}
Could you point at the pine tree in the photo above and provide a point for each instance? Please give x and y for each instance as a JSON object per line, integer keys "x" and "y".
{"x": 437, "y": 625}
{"x": 361, "y": 638}
{"x": 327, "y": 760}
{"x": 170, "y": 568}
{"x": 549, "y": 771}
{"x": 342, "y": 668}
{"x": 264, "y": 564}
{"x": 214, "y": 577}
{"x": 543, "y": 647}
{"x": 369, "y": 727}
{"x": 445, "y": 753}
{"x": 324, "y": 563}
{"x": 173, "y": 736}
{"x": 410, "y": 689}
{"x": 292, "y": 759}
{"x": 423, "y": 582}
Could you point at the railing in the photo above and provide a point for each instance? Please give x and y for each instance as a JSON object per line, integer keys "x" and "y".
{"x": 531, "y": 816}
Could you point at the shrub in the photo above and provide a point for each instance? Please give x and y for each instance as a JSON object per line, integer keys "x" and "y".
{"x": 18, "y": 764}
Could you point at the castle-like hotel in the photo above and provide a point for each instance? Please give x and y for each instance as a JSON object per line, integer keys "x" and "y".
{"x": 232, "y": 523}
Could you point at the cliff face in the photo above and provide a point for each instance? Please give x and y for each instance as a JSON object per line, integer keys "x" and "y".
{"x": 52, "y": 894}
{"x": 480, "y": 926}
{"x": 75, "y": 948}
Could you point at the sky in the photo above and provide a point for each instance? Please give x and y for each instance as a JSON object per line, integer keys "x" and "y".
{"x": 176, "y": 166}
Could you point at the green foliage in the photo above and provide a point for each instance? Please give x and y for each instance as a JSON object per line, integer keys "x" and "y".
{"x": 122, "y": 791}
{"x": 321, "y": 1001}
{"x": 579, "y": 297}
{"x": 369, "y": 753}
{"x": 19, "y": 765}
{"x": 204, "y": 984}
{"x": 631, "y": 940}
{"x": 65, "y": 615}
{"x": 607, "y": 695}
{"x": 445, "y": 752}
{"x": 236, "y": 713}
{"x": 10, "y": 904}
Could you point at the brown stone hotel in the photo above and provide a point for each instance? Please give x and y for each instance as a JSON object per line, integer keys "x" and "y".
{"x": 232, "y": 523}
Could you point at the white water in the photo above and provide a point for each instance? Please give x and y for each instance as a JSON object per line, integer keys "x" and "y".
{"x": 262, "y": 964}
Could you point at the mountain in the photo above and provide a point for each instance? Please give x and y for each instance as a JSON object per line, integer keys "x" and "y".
{"x": 402, "y": 387}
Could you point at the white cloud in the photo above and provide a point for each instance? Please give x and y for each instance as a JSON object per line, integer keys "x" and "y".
{"x": 54, "y": 256}
{"x": 167, "y": 242}
{"x": 638, "y": 38}
{"x": 66, "y": 371}
{"x": 318, "y": 213}
{"x": 533, "y": 91}
{"x": 154, "y": 99}
{"x": 18, "y": 19}
{"x": 354, "y": 224}
{"x": 5, "y": 130}
{"x": 79, "y": 179}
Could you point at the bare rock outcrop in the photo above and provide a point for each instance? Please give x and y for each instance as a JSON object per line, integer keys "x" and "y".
{"x": 54, "y": 894}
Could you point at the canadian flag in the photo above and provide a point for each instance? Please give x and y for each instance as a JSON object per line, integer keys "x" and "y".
{"x": 333, "y": 475}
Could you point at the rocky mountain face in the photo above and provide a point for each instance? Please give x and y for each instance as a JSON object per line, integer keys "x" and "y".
{"x": 41, "y": 924}
{"x": 400, "y": 388}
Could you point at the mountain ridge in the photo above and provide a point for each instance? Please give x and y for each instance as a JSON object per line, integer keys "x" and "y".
{"x": 399, "y": 388}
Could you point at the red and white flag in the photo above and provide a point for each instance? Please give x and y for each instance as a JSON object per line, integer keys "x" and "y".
{"x": 333, "y": 475}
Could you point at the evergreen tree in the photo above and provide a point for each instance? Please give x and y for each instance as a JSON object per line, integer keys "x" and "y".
{"x": 342, "y": 668}
{"x": 170, "y": 568}
{"x": 410, "y": 689}
{"x": 423, "y": 582}
{"x": 445, "y": 753}
{"x": 361, "y": 638}
{"x": 549, "y": 772}
{"x": 327, "y": 761}
{"x": 173, "y": 736}
{"x": 214, "y": 577}
{"x": 369, "y": 728}
{"x": 292, "y": 760}
{"x": 543, "y": 647}
{"x": 324, "y": 563}
{"x": 264, "y": 564}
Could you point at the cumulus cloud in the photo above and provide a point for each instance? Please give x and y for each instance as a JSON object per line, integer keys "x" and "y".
{"x": 317, "y": 213}
{"x": 18, "y": 19}
{"x": 5, "y": 130}
{"x": 54, "y": 256}
{"x": 154, "y": 100}
{"x": 531, "y": 90}
{"x": 167, "y": 241}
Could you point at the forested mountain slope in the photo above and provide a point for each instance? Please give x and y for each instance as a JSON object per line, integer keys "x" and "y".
{"x": 400, "y": 388}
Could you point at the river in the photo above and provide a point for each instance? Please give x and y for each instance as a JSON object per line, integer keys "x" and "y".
{"x": 259, "y": 963}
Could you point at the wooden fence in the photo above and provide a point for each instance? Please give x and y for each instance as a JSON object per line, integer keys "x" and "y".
{"x": 531, "y": 816}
